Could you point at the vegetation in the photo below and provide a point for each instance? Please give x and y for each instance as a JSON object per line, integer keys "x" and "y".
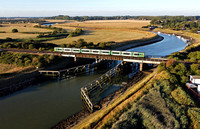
{"x": 165, "y": 105}
{"x": 23, "y": 60}
{"x": 23, "y": 20}
{"x": 14, "y": 30}
{"x": 178, "y": 23}
{"x": 84, "y": 18}
{"x": 29, "y": 44}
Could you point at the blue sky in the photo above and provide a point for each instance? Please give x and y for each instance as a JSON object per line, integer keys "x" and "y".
{"x": 98, "y": 7}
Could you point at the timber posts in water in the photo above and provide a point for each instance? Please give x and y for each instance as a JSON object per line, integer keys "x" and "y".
{"x": 87, "y": 90}
{"x": 67, "y": 73}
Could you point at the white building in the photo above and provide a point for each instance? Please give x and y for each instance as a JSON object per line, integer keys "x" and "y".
{"x": 195, "y": 79}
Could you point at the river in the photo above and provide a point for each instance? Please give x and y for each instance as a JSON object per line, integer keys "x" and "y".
{"x": 42, "y": 106}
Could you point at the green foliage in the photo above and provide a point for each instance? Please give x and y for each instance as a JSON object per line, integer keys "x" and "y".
{"x": 27, "y": 60}
{"x": 177, "y": 23}
{"x": 77, "y": 32}
{"x": 181, "y": 97}
{"x": 161, "y": 67}
{"x": 29, "y": 44}
{"x": 194, "y": 56}
{"x": 194, "y": 69}
{"x": 194, "y": 114}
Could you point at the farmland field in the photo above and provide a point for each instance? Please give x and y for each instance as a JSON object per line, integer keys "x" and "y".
{"x": 108, "y": 24}
{"x": 21, "y": 28}
{"x": 106, "y": 30}
{"x": 97, "y": 36}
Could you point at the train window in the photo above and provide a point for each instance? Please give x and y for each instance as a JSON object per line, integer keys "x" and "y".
{"x": 95, "y": 51}
{"x": 67, "y": 49}
{"x": 107, "y": 52}
{"x": 126, "y": 53}
{"x": 85, "y": 50}
{"x": 115, "y": 52}
{"x": 76, "y": 50}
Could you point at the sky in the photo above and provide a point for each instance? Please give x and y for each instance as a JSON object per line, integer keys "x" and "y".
{"x": 43, "y": 8}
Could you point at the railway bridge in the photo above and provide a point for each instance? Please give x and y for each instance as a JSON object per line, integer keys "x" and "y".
{"x": 142, "y": 60}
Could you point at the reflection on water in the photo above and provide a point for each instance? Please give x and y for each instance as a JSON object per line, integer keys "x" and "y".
{"x": 165, "y": 47}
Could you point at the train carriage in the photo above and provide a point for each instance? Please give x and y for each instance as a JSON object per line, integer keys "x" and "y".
{"x": 116, "y": 53}
{"x": 87, "y": 51}
{"x": 67, "y": 49}
{"x": 105, "y": 52}
{"x": 59, "y": 49}
{"x": 102, "y": 52}
{"x": 95, "y": 51}
{"x": 76, "y": 50}
{"x": 125, "y": 53}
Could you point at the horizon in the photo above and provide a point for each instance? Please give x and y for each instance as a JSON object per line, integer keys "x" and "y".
{"x": 37, "y": 8}
{"x": 103, "y": 16}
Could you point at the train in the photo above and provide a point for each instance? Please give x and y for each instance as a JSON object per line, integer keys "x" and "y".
{"x": 101, "y": 52}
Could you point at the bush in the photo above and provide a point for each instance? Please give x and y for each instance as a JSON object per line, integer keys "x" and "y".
{"x": 181, "y": 97}
{"x": 194, "y": 114}
{"x": 14, "y": 30}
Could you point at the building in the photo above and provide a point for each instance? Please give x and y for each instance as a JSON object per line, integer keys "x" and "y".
{"x": 195, "y": 79}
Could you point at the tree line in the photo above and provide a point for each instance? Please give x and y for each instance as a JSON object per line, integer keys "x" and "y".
{"x": 84, "y": 18}
{"x": 178, "y": 22}
{"x": 22, "y": 60}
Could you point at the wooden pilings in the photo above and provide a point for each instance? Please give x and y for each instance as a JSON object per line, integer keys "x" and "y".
{"x": 87, "y": 90}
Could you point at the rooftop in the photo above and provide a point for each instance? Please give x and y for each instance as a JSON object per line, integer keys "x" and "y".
{"x": 195, "y": 76}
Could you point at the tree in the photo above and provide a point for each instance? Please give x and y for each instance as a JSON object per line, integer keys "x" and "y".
{"x": 194, "y": 68}
{"x": 14, "y": 30}
{"x": 31, "y": 46}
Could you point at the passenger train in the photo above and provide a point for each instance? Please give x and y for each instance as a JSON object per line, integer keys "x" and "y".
{"x": 101, "y": 52}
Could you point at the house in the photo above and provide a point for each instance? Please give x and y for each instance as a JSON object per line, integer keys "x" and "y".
{"x": 195, "y": 79}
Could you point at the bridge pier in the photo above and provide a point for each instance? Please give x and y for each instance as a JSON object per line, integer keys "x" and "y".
{"x": 143, "y": 66}
{"x": 75, "y": 59}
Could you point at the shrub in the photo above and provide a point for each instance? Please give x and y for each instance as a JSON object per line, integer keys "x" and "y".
{"x": 14, "y": 30}
{"x": 181, "y": 97}
{"x": 194, "y": 114}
